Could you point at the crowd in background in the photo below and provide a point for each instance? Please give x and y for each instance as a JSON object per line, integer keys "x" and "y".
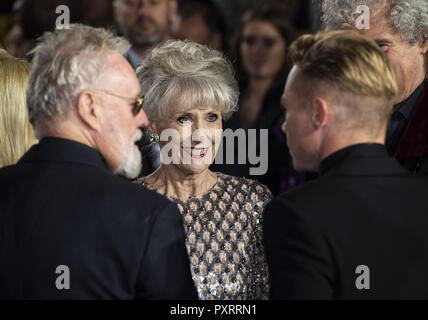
{"x": 254, "y": 35}
{"x": 22, "y": 20}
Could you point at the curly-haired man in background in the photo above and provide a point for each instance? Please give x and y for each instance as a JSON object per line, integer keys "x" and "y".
{"x": 400, "y": 28}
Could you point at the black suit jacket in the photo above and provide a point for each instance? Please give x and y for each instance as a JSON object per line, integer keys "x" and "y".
{"x": 412, "y": 150}
{"x": 60, "y": 206}
{"x": 364, "y": 210}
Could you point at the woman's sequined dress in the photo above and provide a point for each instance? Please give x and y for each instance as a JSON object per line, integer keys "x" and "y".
{"x": 224, "y": 239}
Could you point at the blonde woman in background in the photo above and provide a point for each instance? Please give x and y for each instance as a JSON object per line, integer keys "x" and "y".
{"x": 16, "y": 132}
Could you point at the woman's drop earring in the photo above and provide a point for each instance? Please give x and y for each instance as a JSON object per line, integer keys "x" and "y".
{"x": 154, "y": 138}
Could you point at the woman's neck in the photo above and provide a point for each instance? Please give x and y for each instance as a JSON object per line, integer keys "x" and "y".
{"x": 170, "y": 180}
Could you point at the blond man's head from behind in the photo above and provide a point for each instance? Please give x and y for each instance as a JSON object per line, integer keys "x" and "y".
{"x": 339, "y": 92}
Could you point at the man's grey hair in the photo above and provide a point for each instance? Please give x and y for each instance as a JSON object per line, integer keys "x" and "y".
{"x": 408, "y": 17}
{"x": 184, "y": 73}
{"x": 65, "y": 63}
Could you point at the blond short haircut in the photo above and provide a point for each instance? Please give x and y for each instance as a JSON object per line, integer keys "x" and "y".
{"x": 354, "y": 67}
{"x": 16, "y": 132}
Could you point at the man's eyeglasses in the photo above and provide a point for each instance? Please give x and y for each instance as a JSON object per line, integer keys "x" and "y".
{"x": 137, "y": 105}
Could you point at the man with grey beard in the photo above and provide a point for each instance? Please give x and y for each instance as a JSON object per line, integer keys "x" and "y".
{"x": 70, "y": 228}
{"x": 144, "y": 23}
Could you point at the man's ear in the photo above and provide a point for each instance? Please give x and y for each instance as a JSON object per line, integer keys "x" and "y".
{"x": 424, "y": 46}
{"x": 319, "y": 116}
{"x": 88, "y": 110}
{"x": 152, "y": 128}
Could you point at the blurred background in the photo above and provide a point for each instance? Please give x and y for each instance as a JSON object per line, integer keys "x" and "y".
{"x": 22, "y": 21}
{"x": 253, "y": 34}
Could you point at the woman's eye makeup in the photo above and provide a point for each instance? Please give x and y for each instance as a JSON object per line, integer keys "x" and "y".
{"x": 184, "y": 119}
{"x": 212, "y": 117}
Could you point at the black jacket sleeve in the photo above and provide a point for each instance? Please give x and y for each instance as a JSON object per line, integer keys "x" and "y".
{"x": 298, "y": 258}
{"x": 165, "y": 269}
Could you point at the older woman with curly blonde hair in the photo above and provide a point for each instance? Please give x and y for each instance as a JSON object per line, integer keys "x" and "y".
{"x": 16, "y": 132}
{"x": 188, "y": 90}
